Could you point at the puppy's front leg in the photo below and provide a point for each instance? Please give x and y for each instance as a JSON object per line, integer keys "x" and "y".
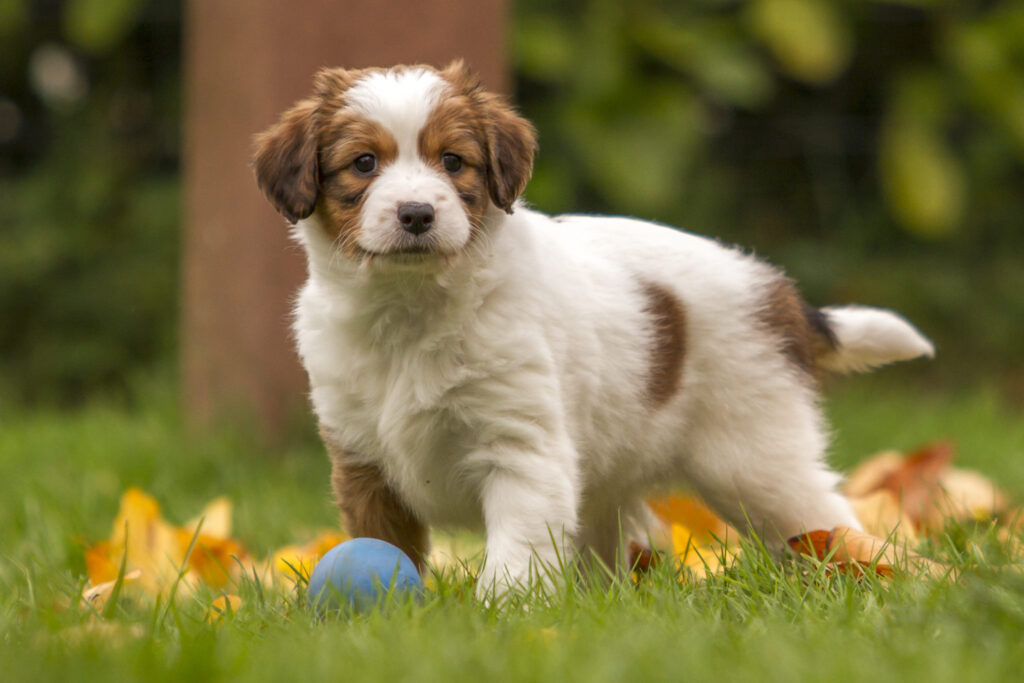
{"x": 370, "y": 507}
{"x": 530, "y": 509}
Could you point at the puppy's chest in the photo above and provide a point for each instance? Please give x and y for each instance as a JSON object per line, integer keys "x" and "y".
{"x": 407, "y": 412}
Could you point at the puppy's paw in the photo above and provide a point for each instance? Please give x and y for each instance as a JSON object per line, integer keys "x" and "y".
{"x": 497, "y": 580}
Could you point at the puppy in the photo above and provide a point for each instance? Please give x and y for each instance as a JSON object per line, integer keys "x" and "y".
{"x": 475, "y": 362}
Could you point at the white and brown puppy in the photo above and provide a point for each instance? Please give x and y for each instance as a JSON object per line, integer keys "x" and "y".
{"x": 475, "y": 362}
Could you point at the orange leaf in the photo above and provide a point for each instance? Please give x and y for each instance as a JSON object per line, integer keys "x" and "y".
{"x": 916, "y": 482}
{"x": 812, "y": 543}
{"x": 850, "y": 546}
{"x": 99, "y": 564}
{"x": 213, "y": 559}
{"x": 694, "y": 515}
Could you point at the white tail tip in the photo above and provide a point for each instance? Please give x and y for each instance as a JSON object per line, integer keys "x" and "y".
{"x": 869, "y": 337}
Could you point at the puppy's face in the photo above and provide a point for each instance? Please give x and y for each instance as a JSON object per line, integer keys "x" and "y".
{"x": 396, "y": 162}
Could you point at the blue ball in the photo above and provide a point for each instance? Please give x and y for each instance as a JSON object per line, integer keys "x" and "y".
{"x": 361, "y": 572}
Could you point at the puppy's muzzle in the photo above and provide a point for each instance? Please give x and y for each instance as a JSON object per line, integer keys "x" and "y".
{"x": 416, "y": 217}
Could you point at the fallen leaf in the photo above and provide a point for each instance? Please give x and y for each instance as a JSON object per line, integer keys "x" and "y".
{"x": 966, "y": 495}
{"x": 916, "y": 482}
{"x": 695, "y": 516}
{"x": 928, "y": 490}
{"x": 99, "y": 565}
{"x": 850, "y": 546}
{"x": 700, "y": 559}
{"x": 881, "y": 514}
{"x": 216, "y": 561}
{"x": 214, "y": 521}
{"x": 851, "y": 551}
{"x": 295, "y": 562}
{"x": 642, "y": 559}
{"x": 98, "y": 595}
{"x": 151, "y": 543}
{"x": 868, "y": 476}
{"x": 813, "y": 544}
{"x": 222, "y": 606}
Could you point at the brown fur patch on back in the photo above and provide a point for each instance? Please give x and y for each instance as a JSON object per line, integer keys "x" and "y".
{"x": 371, "y": 508}
{"x": 668, "y": 343}
{"x": 802, "y": 329}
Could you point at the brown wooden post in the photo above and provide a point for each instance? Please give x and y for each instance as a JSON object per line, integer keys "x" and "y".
{"x": 244, "y": 64}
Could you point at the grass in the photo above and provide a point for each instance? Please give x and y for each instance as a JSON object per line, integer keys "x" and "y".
{"x": 61, "y": 476}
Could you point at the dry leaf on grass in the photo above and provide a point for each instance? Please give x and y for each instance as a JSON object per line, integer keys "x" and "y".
{"x": 928, "y": 490}
{"x": 98, "y": 595}
{"x": 296, "y": 562}
{"x": 703, "y": 524}
{"x": 223, "y": 606}
{"x": 881, "y": 514}
{"x": 853, "y": 551}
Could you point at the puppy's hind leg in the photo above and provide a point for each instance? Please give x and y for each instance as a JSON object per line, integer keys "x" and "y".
{"x": 759, "y": 462}
{"x": 608, "y": 532}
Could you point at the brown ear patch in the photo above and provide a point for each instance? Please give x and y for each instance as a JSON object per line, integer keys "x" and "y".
{"x": 285, "y": 162}
{"x": 801, "y": 329}
{"x": 668, "y": 343}
{"x": 371, "y": 508}
{"x": 510, "y": 139}
{"x": 454, "y": 127}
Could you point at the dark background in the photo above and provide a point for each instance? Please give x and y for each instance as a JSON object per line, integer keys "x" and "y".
{"x": 874, "y": 149}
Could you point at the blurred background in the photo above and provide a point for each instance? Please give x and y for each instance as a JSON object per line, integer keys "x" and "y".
{"x": 874, "y": 149}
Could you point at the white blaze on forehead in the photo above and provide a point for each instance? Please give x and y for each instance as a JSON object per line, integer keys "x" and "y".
{"x": 401, "y": 101}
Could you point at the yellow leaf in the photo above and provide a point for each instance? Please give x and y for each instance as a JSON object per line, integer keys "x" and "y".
{"x": 881, "y": 514}
{"x": 223, "y": 605}
{"x": 700, "y": 559}
{"x": 293, "y": 561}
{"x": 152, "y": 543}
{"x": 215, "y": 519}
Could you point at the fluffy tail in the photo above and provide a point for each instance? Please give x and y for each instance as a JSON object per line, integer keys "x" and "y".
{"x": 868, "y": 337}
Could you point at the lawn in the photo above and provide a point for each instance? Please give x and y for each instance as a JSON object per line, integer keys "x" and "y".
{"x": 61, "y": 476}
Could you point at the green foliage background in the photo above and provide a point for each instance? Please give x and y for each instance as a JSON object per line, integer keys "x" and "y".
{"x": 873, "y": 148}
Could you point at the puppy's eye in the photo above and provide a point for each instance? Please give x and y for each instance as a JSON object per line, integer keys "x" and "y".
{"x": 365, "y": 164}
{"x": 451, "y": 162}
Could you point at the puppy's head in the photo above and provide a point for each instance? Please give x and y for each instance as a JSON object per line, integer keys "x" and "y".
{"x": 398, "y": 161}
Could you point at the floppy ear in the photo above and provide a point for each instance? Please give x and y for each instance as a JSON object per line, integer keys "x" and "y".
{"x": 511, "y": 142}
{"x": 285, "y": 162}
{"x": 511, "y": 139}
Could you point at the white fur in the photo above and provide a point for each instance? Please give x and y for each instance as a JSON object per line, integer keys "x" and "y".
{"x": 401, "y": 101}
{"x": 503, "y": 386}
{"x": 869, "y": 337}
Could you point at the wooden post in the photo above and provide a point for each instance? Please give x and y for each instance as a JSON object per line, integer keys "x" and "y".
{"x": 244, "y": 64}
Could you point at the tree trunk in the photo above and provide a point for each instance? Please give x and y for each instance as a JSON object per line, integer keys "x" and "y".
{"x": 244, "y": 64}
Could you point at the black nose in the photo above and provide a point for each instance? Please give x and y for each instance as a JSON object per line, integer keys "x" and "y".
{"x": 415, "y": 217}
